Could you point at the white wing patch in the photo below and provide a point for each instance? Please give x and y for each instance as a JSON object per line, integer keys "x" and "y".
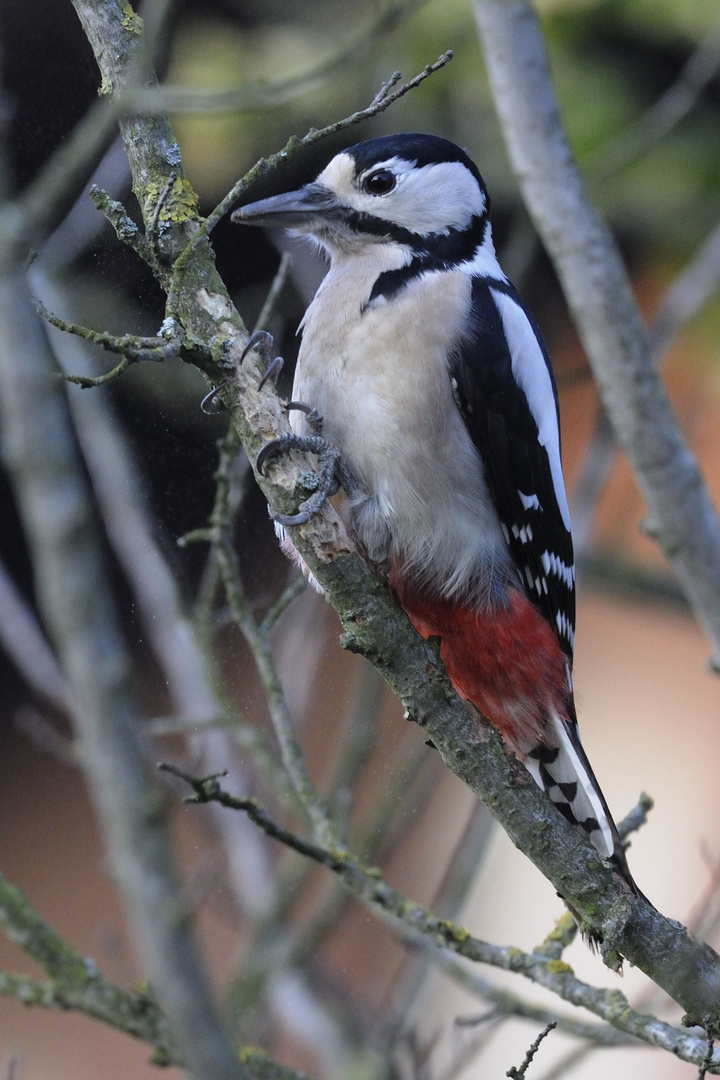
{"x": 533, "y": 377}
{"x": 553, "y": 564}
{"x": 524, "y": 534}
{"x": 484, "y": 261}
{"x": 565, "y": 628}
{"x": 530, "y": 502}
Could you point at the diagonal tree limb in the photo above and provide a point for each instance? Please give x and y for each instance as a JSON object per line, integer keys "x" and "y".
{"x": 421, "y": 928}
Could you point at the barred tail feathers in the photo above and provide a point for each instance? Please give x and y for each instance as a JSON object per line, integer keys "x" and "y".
{"x": 560, "y": 767}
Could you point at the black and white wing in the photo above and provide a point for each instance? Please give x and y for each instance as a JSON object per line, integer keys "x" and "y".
{"x": 506, "y": 393}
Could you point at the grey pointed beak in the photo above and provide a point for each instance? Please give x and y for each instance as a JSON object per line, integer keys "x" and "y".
{"x": 292, "y": 210}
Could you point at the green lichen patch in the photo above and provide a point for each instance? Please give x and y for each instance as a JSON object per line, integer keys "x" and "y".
{"x": 179, "y": 202}
{"x": 131, "y": 21}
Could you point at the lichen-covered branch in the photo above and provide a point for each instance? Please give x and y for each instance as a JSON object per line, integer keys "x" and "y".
{"x": 419, "y": 926}
{"x": 76, "y": 984}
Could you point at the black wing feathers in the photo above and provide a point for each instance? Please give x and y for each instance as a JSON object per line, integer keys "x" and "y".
{"x": 517, "y": 467}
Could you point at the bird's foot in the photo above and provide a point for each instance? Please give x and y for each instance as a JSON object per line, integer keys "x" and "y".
{"x": 262, "y": 342}
{"x": 331, "y": 472}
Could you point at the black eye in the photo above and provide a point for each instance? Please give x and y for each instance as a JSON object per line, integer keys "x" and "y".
{"x": 379, "y": 183}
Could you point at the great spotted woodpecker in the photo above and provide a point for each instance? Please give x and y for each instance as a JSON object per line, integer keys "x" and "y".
{"x": 436, "y": 387}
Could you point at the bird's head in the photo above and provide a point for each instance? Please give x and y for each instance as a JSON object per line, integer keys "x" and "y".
{"x": 405, "y": 189}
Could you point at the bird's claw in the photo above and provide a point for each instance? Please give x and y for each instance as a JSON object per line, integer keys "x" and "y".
{"x": 260, "y": 340}
{"x": 273, "y": 370}
{"x": 211, "y": 404}
{"x": 263, "y": 342}
{"x": 313, "y": 418}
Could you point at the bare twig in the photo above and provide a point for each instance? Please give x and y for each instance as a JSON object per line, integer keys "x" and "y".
{"x": 685, "y": 298}
{"x": 504, "y": 1003}
{"x": 193, "y": 683}
{"x": 133, "y": 349}
{"x": 693, "y": 287}
{"x": 220, "y": 523}
{"x": 707, "y": 1061}
{"x": 518, "y": 1074}
{"x": 75, "y": 982}
{"x": 268, "y": 94}
{"x": 416, "y": 925}
{"x": 46, "y": 736}
{"x": 382, "y": 101}
{"x": 75, "y": 597}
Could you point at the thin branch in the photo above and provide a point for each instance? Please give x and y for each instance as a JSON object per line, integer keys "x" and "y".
{"x": 707, "y": 1061}
{"x": 382, "y": 101}
{"x": 414, "y": 923}
{"x": 75, "y": 982}
{"x": 358, "y": 740}
{"x": 274, "y": 293}
{"x": 74, "y": 593}
{"x": 297, "y": 586}
{"x": 507, "y": 1004}
{"x": 133, "y": 348}
{"x": 44, "y": 203}
{"x": 193, "y": 683}
{"x": 685, "y": 298}
{"x": 682, "y": 301}
{"x": 221, "y": 526}
{"x": 518, "y": 1074}
{"x": 43, "y": 734}
{"x": 125, "y": 228}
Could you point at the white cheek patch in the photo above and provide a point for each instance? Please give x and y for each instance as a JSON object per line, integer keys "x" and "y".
{"x": 430, "y": 199}
{"x": 339, "y": 177}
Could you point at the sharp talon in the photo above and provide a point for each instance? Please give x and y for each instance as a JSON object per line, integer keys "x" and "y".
{"x": 292, "y": 519}
{"x": 260, "y": 340}
{"x": 270, "y": 448}
{"x": 272, "y": 372}
{"x": 210, "y": 404}
{"x": 315, "y": 419}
